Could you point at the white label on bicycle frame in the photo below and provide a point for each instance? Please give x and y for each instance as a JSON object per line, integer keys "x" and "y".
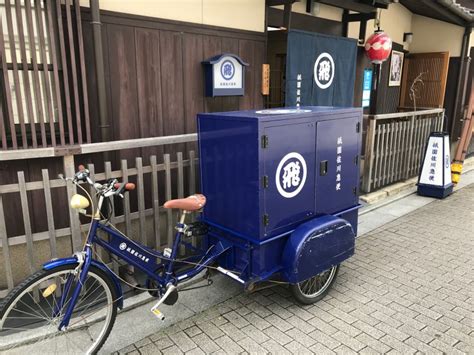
{"x": 179, "y": 278}
{"x": 125, "y": 247}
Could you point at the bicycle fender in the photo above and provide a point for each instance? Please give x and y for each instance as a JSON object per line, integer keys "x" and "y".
{"x": 315, "y": 246}
{"x": 72, "y": 260}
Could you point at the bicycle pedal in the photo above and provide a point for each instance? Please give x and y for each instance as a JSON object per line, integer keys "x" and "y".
{"x": 158, "y": 314}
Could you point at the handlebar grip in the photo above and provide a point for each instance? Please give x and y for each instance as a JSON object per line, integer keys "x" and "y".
{"x": 128, "y": 186}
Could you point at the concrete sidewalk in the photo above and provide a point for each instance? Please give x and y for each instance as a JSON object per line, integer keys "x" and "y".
{"x": 407, "y": 289}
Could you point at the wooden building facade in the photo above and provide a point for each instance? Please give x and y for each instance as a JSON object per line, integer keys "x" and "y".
{"x": 154, "y": 84}
{"x": 153, "y": 78}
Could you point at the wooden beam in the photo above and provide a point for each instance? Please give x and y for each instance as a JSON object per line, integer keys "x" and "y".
{"x": 278, "y": 2}
{"x": 362, "y": 31}
{"x": 346, "y": 17}
{"x": 345, "y": 24}
{"x": 96, "y": 147}
{"x": 443, "y": 12}
{"x": 348, "y": 5}
{"x": 287, "y": 15}
{"x": 381, "y": 4}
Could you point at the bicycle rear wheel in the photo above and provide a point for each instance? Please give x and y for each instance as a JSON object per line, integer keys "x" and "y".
{"x": 316, "y": 287}
{"x": 30, "y": 315}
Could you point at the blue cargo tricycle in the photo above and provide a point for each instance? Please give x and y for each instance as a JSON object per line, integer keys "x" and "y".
{"x": 279, "y": 205}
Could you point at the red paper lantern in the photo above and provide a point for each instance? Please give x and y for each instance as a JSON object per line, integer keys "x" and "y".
{"x": 378, "y": 47}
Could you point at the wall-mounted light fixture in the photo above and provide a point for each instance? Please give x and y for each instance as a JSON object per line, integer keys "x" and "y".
{"x": 408, "y": 37}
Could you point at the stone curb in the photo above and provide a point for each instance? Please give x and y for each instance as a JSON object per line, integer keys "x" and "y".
{"x": 403, "y": 186}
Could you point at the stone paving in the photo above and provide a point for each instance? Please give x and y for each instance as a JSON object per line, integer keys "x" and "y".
{"x": 408, "y": 289}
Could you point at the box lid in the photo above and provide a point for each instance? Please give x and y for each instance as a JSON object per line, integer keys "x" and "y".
{"x": 275, "y": 114}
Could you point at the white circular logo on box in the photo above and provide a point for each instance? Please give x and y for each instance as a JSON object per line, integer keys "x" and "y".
{"x": 324, "y": 70}
{"x": 123, "y": 246}
{"x": 291, "y": 175}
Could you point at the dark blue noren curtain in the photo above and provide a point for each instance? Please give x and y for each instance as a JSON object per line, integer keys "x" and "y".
{"x": 335, "y": 69}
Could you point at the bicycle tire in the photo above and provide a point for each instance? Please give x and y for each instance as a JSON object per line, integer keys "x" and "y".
{"x": 38, "y": 280}
{"x": 318, "y": 291}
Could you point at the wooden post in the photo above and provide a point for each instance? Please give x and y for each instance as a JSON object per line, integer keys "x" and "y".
{"x": 74, "y": 223}
{"x": 49, "y": 213}
{"x": 466, "y": 133}
{"x": 410, "y": 142}
{"x": 5, "y": 247}
{"x": 156, "y": 202}
{"x": 375, "y": 87}
{"x": 369, "y": 155}
{"x": 141, "y": 200}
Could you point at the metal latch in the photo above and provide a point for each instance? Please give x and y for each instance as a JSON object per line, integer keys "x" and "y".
{"x": 265, "y": 181}
{"x": 266, "y": 219}
{"x": 358, "y": 127}
{"x": 264, "y": 141}
{"x": 323, "y": 168}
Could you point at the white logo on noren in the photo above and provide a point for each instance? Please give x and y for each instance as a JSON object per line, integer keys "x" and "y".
{"x": 324, "y": 70}
{"x": 123, "y": 246}
{"x": 291, "y": 175}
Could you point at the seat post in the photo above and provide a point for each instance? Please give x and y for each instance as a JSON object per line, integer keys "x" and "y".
{"x": 183, "y": 217}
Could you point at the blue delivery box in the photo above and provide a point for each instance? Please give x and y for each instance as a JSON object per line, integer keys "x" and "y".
{"x": 273, "y": 178}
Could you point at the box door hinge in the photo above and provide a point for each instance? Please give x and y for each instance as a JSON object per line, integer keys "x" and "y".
{"x": 358, "y": 127}
{"x": 265, "y": 181}
{"x": 266, "y": 219}
{"x": 264, "y": 141}
{"x": 356, "y": 160}
{"x": 354, "y": 191}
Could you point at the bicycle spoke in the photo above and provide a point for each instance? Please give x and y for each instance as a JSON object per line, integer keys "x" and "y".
{"x": 16, "y": 328}
{"x": 46, "y": 299}
{"x": 103, "y": 292}
{"x": 22, "y": 317}
{"x": 89, "y": 315}
{"x": 29, "y": 294}
{"x": 37, "y": 314}
{"x": 88, "y": 295}
{"x": 316, "y": 285}
{"x": 29, "y": 319}
{"x": 83, "y": 318}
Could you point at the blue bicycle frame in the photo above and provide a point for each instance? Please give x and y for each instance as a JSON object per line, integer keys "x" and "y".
{"x": 149, "y": 261}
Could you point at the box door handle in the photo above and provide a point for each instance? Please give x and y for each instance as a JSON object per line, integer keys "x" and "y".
{"x": 323, "y": 167}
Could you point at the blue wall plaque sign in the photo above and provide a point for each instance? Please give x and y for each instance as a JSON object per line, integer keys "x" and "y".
{"x": 225, "y": 75}
{"x": 367, "y": 86}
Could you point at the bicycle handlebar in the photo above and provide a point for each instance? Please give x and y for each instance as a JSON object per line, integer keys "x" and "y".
{"x": 112, "y": 187}
{"x": 124, "y": 187}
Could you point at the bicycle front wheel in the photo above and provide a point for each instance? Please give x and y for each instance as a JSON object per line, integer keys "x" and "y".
{"x": 30, "y": 315}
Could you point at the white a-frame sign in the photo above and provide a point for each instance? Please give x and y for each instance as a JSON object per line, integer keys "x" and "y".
{"x": 435, "y": 174}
